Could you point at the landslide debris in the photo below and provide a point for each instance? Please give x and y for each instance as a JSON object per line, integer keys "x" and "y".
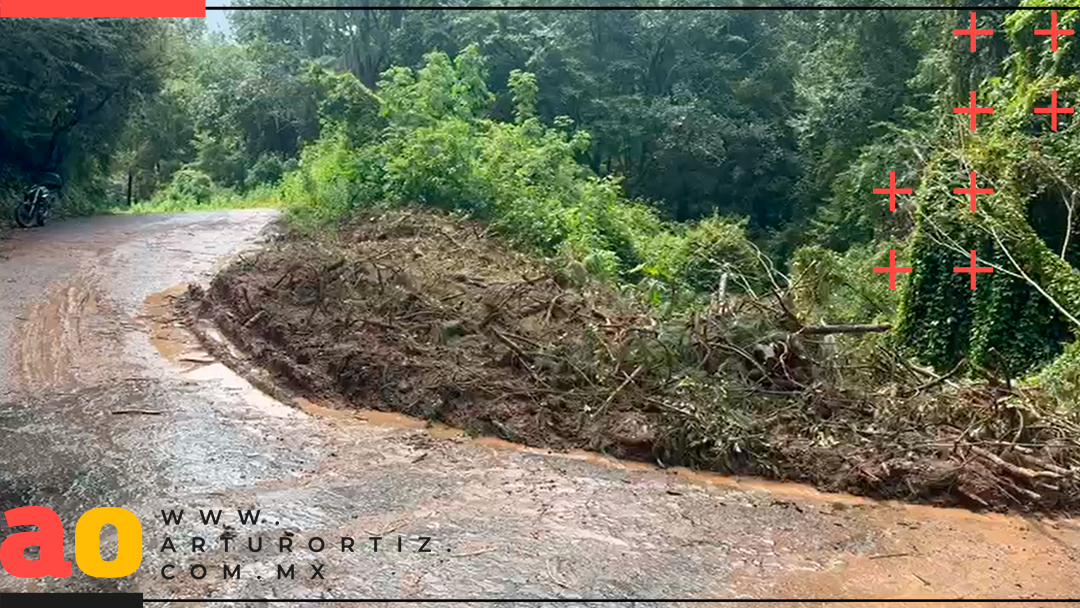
{"x": 430, "y": 316}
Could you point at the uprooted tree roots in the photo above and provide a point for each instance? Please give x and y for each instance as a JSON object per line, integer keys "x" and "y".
{"x": 428, "y": 316}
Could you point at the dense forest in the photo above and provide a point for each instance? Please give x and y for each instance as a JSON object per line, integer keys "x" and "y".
{"x": 680, "y": 155}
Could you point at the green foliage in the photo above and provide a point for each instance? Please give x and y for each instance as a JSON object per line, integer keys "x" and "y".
{"x": 1023, "y": 315}
{"x": 853, "y": 79}
{"x": 332, "y": 181}
{"x": 1061, "y": 379}
{"x": 442, "y": 88}
{"x": 346, "y": 104}
{"x": 434, "y": 164}
{"x": 851, "y": 216}
{"x": 221, "y": 157}
{"x": 261, "y": 197}
{"x": 525, "y": 93}
{"x": 691, "y": 107}
{"x": 225, "y": 109}
{"x": 716, "y": 246}
{"x": 191, "y": 184}
{"x": 66, "y": 88}
{"x": 839, "y": 288}
{"x": 523, "y": 177}
{"x": 268, "y": 169}
{"x": 1005, "y": 325}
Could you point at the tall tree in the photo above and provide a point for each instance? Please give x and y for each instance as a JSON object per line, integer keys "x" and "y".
{"x": 66, "y": 86}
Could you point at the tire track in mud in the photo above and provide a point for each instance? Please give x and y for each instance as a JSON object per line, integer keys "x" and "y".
{"x": 49, "y": 343}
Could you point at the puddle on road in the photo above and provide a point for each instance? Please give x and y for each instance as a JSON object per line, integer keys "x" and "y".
{"x": 931, "y": 552}
{"x": 165, "y": 333}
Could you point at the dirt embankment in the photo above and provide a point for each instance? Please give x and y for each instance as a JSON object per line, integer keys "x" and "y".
{"x": 423, "y": 315}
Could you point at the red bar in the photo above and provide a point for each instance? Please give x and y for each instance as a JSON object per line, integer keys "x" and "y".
{"x": 103, "y": 8}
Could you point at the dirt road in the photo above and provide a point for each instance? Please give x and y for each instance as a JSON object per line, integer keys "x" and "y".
{"x": 106, "y": 401}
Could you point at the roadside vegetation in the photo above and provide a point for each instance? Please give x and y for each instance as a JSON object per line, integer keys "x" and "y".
{"x": 650, "y": 233}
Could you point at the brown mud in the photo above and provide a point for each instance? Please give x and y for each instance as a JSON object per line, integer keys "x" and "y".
{"x": 425, "y": 316}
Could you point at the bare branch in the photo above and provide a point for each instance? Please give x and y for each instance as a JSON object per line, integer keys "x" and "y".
{"x": 1031, "y": 282}
{"x": 1070, "y": 203}
{"x": 823, "y": 330}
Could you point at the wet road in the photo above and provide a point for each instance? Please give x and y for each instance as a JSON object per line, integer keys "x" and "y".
{"x": 106, "y": 401}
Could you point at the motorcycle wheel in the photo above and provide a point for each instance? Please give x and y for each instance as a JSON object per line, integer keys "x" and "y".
{"x": 26, "y": 215}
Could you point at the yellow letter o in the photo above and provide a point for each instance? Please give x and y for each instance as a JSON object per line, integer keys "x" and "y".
{"x": 88, "y": 542}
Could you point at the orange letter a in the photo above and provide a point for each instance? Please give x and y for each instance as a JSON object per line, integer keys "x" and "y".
{"x": 49, "y": 537}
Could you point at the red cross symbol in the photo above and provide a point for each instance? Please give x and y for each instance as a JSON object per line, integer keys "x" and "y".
{"x": 1053, "y": 110}
{"x": 892, "y": 190}
{"x": 973, "y": 110}
{"x": 1053, "y": 32}
{"x": 973, "y": 32}
{"x": 972, "y": 192}
{"x": 973, "y": 269}
{"x": 892, "y": 269}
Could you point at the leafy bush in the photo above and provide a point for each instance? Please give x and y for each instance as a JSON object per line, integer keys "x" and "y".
{"x": 435, "y": 165}
{"x": 221, "y": 158}
{"x": 190, "y": 184}
{"x": 438, "y": 149}
{"x": 346, "y": 105}
{"x": 332, "y": 181}
{"x": 1061, "y": 379}
{"x": 267, "y": 170}
{"x": 716, "y": 246}
{"x": 833, "y": 287}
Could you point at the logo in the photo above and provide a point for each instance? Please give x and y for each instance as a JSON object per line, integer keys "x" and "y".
{"x": 49, "y": 537}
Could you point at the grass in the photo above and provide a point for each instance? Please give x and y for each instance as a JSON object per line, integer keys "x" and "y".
{"x": 258, "y": 199}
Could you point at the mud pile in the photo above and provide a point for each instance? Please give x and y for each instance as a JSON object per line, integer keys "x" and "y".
{"x": 421, "y": 314}
{"x": 417, "y": 314}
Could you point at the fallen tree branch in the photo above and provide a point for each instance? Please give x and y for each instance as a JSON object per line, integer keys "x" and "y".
{"x": 938, "y": 380}
{"x": 822, "y": 330}
{"x": 1009, "y": 467}
{"x": 603, "y": 407}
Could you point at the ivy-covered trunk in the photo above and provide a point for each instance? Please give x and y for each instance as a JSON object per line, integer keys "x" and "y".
{"x": 1017, "y": 319}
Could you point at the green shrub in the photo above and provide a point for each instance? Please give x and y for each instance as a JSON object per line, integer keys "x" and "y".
{"x": 437, "y": 149}
{"x": 435, "y": 165}
{"x": 1061, "y": 379}
{"x": 839, "y": 288}
{"x": 267, "y": 170}
{"x": 222, "y": 158}
{"x": 346, "y": 105}
{"x": 332, "y": 181}
{"x": 716, "y": 246}
{"x": 190, "y": 184}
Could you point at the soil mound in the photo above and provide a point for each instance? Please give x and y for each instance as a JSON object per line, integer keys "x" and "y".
{"x": 418, "y": 314}
{"x": 429, "y": 316}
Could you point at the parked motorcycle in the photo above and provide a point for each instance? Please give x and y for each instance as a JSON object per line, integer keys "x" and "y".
{"x": 37, "y": 202}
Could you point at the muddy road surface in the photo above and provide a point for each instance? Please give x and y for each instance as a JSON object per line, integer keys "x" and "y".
{"x": 106, "y": 401}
